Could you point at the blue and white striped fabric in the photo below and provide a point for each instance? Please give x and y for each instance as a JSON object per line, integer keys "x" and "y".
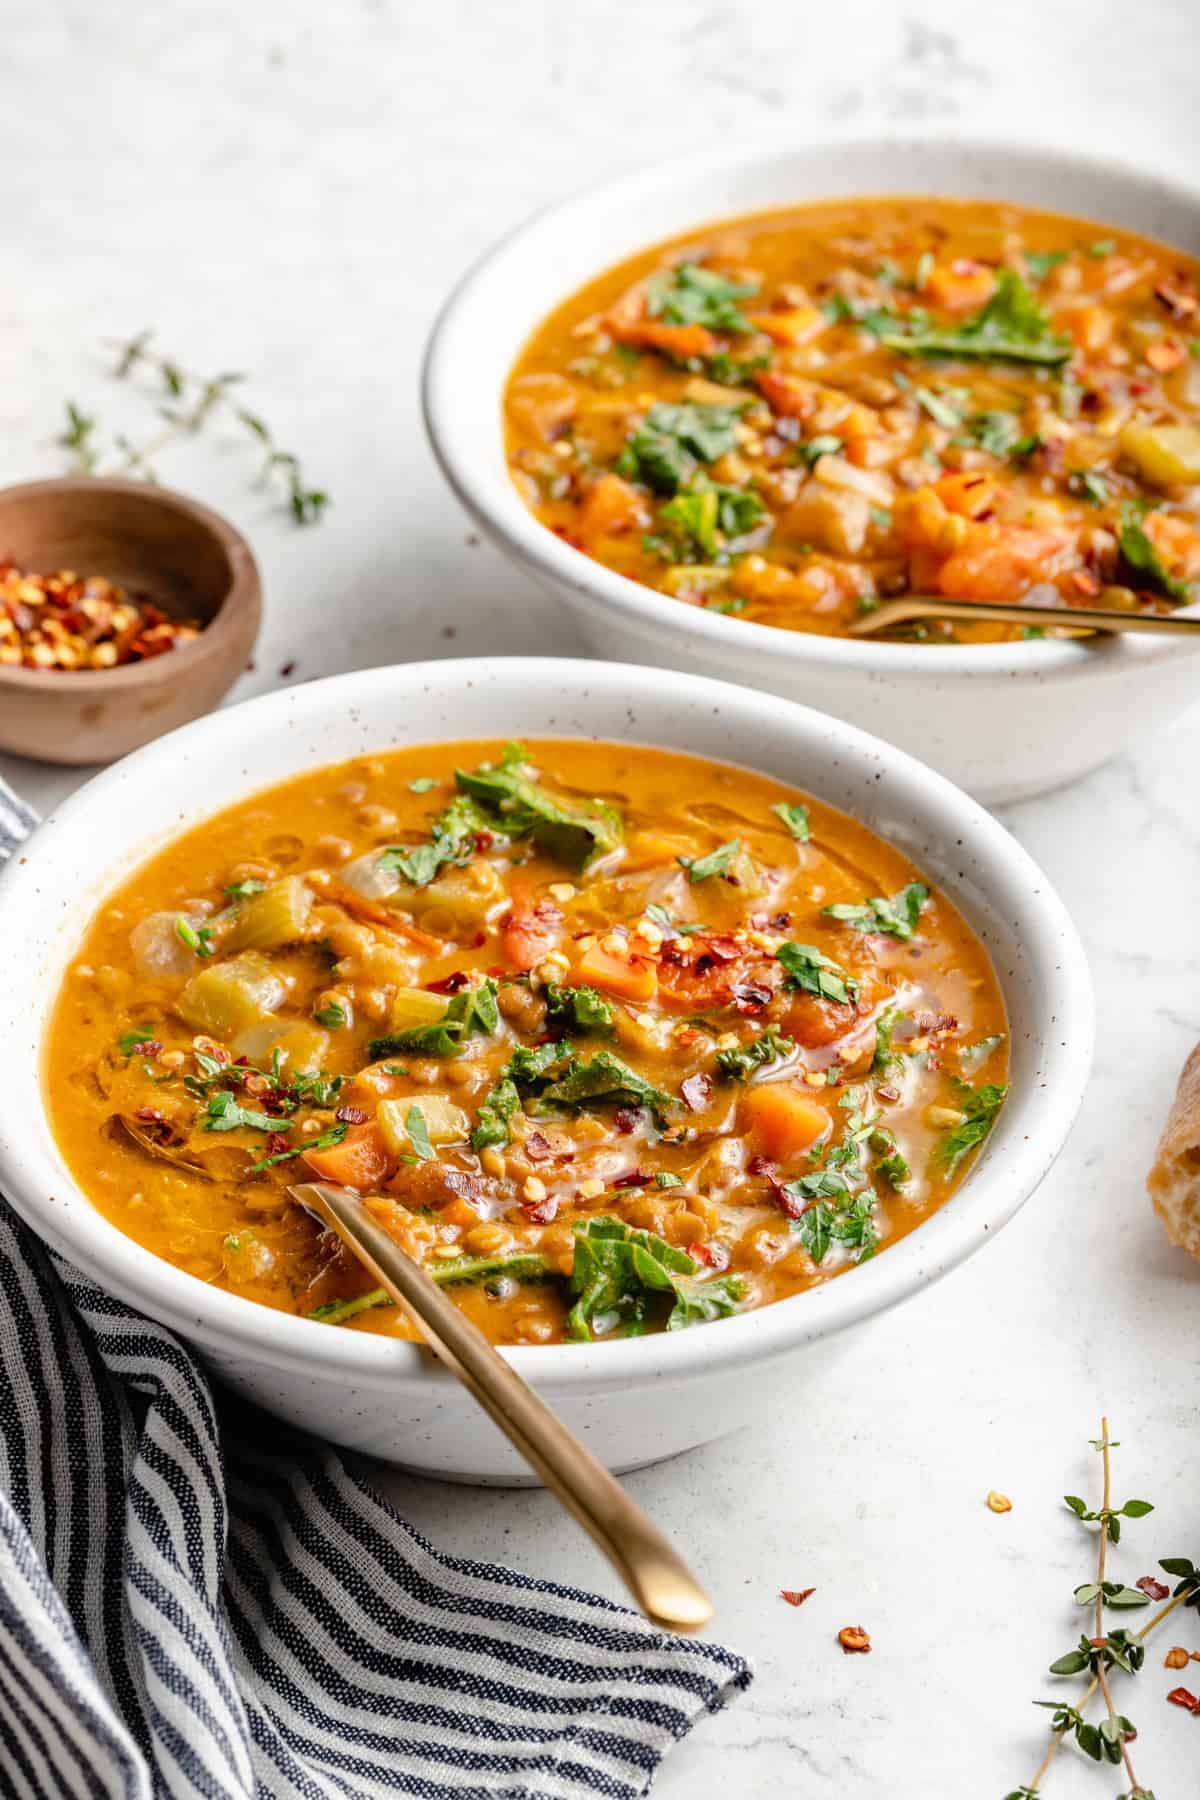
{"x": 194, "y": 1601}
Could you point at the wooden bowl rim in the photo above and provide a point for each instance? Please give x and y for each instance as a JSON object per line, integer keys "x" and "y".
{"x": 244, "y": 593}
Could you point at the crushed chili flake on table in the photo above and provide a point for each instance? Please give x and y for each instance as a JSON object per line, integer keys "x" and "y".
{"x": 855, "y": 1641}
{"x": 1156, "y": 1590}
{"x": 796, "y": 1596}
{"x": 1182, "y": 1696}
{"x": 66, "y": 622}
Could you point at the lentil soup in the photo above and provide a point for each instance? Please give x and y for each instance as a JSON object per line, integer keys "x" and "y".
{"x": 793, "y": 416}
{"x": 614, "y": 1039}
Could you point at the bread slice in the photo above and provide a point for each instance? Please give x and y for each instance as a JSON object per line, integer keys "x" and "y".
{"x": 1174, "y": 1180}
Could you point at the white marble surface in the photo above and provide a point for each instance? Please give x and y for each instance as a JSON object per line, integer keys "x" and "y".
{"x": 289, "y": 189}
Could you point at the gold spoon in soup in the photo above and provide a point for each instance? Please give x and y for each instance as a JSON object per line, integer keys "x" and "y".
{"x": 1078, "y": 620}
{"x": 656, "y": 1576}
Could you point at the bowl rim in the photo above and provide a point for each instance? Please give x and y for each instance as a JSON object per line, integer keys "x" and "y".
{"x": 491, "y": 498}
{"x": 243, "y": 590}
{"x": 993, "y": 1191}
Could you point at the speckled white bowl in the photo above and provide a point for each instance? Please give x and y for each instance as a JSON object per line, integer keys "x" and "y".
{"x": 1006, "y": 720}
{"x": 633, "y": 1401}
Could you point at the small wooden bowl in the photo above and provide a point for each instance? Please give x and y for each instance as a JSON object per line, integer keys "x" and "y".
{"x": 155, "y": 543}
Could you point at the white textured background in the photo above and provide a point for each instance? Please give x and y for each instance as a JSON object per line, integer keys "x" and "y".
{"x": 289, "y": 190}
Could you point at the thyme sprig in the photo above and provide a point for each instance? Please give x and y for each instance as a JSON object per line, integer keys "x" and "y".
{"x": 189, "y": 402}
{"x": 1107, "y": 1650}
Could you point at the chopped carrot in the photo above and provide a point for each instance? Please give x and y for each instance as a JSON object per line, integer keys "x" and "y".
{"x": 673, "y": 340}
{"x": 794, "y": 326}
{"x": 788, "y": 396}
{"x": 631, "y": 977}
{"x": 969, "y": 492}
{"x": 1091, "y": 327}
{"x": 959, "y": 286}
{"x": 787, "y": 1121}
{"x": 997, "y": 563}
{"x": 1165, "y": 355}
{"x": 361, "y": 1160}
{"x": 613, "y": 506}
{"x": 529, "y": 937}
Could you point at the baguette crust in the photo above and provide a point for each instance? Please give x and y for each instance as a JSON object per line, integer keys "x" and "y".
{"x": 1174, "y": 1181}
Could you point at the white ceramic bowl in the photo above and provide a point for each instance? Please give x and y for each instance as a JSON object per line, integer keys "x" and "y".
{"x": 634, "y": 1401}
{"x": 1006, "y": 720}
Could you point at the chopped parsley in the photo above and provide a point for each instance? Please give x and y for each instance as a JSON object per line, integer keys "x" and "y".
{"x": 693, "y": 295}
{"x": 238, "y": 891}
{"x": 702, "y": 868}
{"x": 896, "y": 917}
{"x": 670, "y": 928}
{"x": 418, "y": 1132}
{"x": 1091, "y": 486}
{"x": 980, "y": 1106}
{"x": 452, "y": 840}
{"x": 422, "y": 784}
{"x": 606, "y": 1080}
{"x": 795, "y": 818}
{"x": 703, "y": 520}
{"x": 939, "y": 410}
{"x": 815, "y": 973}
{"x": 129, "y": 1041}
{"x": 672, "y": 443}
{"x": 568, "y": 831}
{"x": 334, "y": 1015}
{"x": 223, "y": 1113}
{"x": 198, "y": 938}
{"x": 324, "y": 1140}
{"x": 1040, "y": 262}
{"x": 817, "y": 447}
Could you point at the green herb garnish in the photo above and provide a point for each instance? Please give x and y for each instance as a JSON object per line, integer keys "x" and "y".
{"x": 672, "y": 443}
{"x": 896, "y": 917}
{"x": 237, "y": 891}
{"x": 471, "y": 1013}
{"x": 324, "y": 1140}
{"x": 759, "y": 1053}
{"x": 980, "y": 1105}
{"x": 1139, "y": 554}
{"x": 418, "y": 1132}
{"x": 702, "y": 868}
{"x": 815, "y": 973}
{"x": 795, "y": 818}
{"x": 198, "y": 938}
{"x": 622, "y": 1277}
{"x": 223, "y": 1113}
{"x": 129, "y": 1041}
{"x": 334, "y": 1015}
{"x": 605, "y": 1080}
{"x": 693, "y": 295}
{"x": 570, "y": 831}
{"x": 1011, "y": 327}
{"x": 578, "y": 1009}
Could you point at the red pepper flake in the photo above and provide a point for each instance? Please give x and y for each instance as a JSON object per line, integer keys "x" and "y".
{"x": 1157, "y": 1590}
{"x": 286, "y": 669}
{"x": 713, "y": 1256}
{"x": 760, "y": 1165}
{"x": 626, "y": 1119}
{"x": 463, "y": 1183}
{"x": 750, "y": 997}
{"x": 151, "y": 1115}
{"x": 855, "y": 1640}
{"x": 152, "y": 1047}
{"x": 449, "y": 984}
{"x": 1182, "y": 1696}
{"x": 63, "y": 622}
{"x": 351, "y": 1115}
{"x": 885, "y": 1091}
{"x": 277, "y": 1143}
{"x": 540, "y": 1212}
{"x": 795, "y": 1209}
{"x": 796, "y": 1596}
{"x": 630, "y": 1179}
{"x": 538, "y": 1147}
{"x": 696, "y": 1090}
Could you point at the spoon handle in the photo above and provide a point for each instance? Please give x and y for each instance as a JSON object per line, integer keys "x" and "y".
{"x": 1058, "y": 618}
{"x": 651, "y": 1569}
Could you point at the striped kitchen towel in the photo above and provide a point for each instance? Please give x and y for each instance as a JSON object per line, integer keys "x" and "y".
{"x": 195, "y": 1601}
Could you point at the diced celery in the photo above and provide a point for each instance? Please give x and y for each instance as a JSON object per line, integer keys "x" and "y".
{"x": 465, "y": 896}
{"x": 415, "y": 1006}
{"x": 1167, "y": 455}
{"x": 277, "y": 916}
{"x": 229, "y": 997}
{"x": 444, "y": 1122}
{"x": 302, "y": 1044}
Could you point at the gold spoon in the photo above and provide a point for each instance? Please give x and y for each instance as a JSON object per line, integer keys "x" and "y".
{"x": 1079, "y": 620}
{"x": 653, "y": 1572}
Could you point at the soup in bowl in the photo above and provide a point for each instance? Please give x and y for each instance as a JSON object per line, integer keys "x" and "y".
{"x": 724, "y": 407}
{"x": 675, "y": 1036}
